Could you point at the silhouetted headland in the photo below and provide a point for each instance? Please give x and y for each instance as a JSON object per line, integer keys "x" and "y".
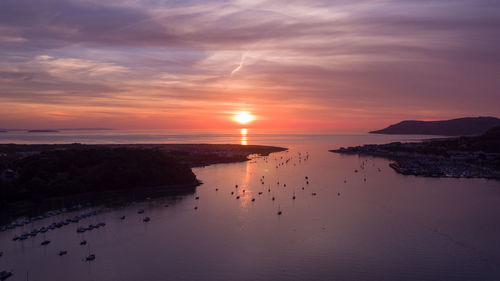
{"x": 38, "y": 172}
{"x": 43, "y": 131}
{"x": 469, "y": 126}
{"x": 85, "y": 129}
{"x": 471, "y": 157}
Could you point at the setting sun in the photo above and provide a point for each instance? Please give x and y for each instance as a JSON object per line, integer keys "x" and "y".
{"x": 243, "y": 117}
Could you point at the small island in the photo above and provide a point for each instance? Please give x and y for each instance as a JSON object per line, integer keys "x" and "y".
{"x": 469, "y": 157}
{"x": 43, "y": 131}
{"x": 38, "y": 172}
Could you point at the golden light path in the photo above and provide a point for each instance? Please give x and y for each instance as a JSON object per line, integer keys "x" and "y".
{"x": 244, "y": 138}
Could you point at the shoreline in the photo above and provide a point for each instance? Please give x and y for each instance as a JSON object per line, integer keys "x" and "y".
{"x": 181, "y": 155}
{"x": 28, "y": 208}
{"x": 418, "y": 160}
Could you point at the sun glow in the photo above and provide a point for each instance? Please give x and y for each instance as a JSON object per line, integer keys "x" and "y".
{"x": 243, "y": 117}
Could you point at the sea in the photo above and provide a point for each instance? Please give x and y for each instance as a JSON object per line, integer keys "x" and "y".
{"x": 302, "y": 214}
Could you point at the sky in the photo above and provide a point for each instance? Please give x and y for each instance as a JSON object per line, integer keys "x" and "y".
{"x": 294, "y": 64}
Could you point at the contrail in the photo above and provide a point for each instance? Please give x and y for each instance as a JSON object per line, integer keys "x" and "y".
{"x": 240, "y": 65}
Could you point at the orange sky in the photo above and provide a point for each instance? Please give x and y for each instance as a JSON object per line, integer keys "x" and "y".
{"x": 338, "y": 64}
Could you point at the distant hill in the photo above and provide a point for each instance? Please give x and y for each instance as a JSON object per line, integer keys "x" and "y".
{"x": 468, "y": 126}
{"x": 493, "y": 133}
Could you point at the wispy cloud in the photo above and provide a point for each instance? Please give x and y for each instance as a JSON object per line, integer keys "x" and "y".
{"x": 240, "y": 65}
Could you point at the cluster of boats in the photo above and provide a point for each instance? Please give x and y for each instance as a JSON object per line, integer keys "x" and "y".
{"x": 59, "y": 224}
{"x": 280, "y": 162}
{"x": 48, "y": 214}
{"x": 5, "y": 274}
{"x": 90, "y": 227}
{"x": 91, "y": 257}
{"x": 284, "y": 161}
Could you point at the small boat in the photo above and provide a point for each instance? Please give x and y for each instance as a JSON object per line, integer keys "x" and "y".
{"x": 62, "y": 253}
{"x": 5, "y": 274}
{"x": 146, "y": 219}
{"x": 45, "y": 243}
{"x": 90, "y": 258}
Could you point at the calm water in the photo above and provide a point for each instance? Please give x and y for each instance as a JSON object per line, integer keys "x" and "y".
{"x": 389, "y": 227}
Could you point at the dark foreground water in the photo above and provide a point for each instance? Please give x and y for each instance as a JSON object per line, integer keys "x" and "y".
{"x": 389, "y": 227}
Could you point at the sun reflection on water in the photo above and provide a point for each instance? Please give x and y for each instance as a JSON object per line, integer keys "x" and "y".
{"x": 243, "y": 136}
